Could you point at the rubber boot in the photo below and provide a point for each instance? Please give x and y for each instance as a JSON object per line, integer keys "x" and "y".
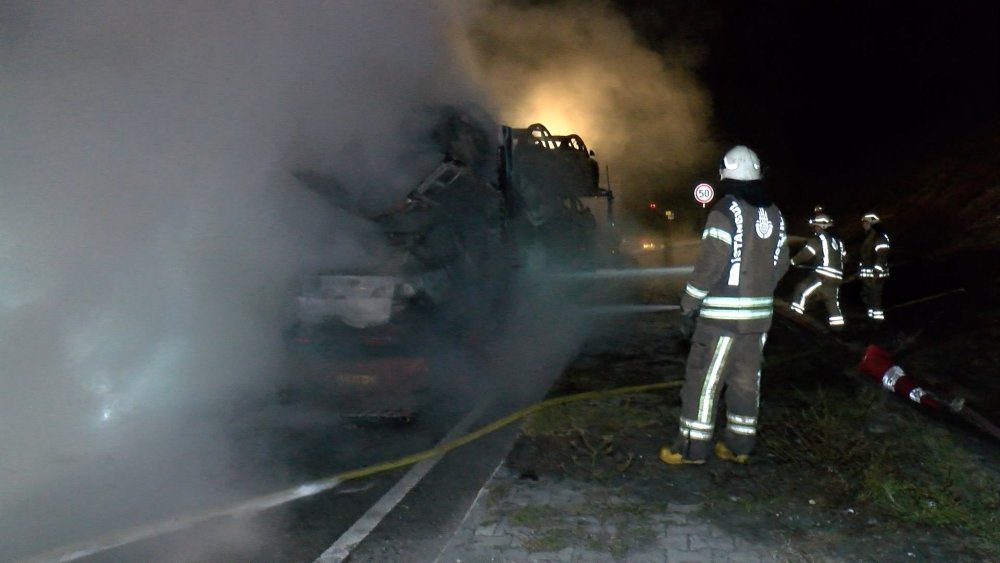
{"x": 673, "y": 458}
{"x": 724, "y": 453}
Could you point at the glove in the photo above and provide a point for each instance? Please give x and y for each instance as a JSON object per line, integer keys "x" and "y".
{"x": 688, "y": 323}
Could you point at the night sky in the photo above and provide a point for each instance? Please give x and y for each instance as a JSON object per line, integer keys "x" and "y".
{"x": 829, "y": 90}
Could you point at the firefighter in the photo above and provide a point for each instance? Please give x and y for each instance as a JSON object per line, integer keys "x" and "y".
{"x": 873, "y": 269}
{"x": 727, "y": 307}
{"x": 824, "y": 255}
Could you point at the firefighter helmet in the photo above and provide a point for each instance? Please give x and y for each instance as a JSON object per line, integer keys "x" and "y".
{"x": 740, "y": 163}
{"x": 821, "y": 220}
{"x": 870, "y": 218}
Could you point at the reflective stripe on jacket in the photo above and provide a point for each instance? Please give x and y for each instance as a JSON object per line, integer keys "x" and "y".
{"x": 743, "y": 254}
{"x": 826, "y": 252}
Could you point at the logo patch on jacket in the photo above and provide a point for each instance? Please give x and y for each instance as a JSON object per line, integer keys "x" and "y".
{"x": 764, "y": 226}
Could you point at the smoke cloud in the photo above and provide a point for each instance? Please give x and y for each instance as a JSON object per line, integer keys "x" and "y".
{"x": 578, "y": 67}
{"x": 151, "y": 230}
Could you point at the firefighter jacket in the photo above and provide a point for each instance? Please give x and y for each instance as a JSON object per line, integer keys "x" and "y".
{"x": 743, "y": 255}
{"x": 874, "y": 255}
{"x": 825, "y": 251}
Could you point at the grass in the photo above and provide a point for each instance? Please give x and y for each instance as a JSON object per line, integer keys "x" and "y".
{"x": 532, "y": 515}
{"x": 551, "y": 539}
{"x": 600, "y": 418}
{"x": 935, "y": 483}
{"x": 825, "y": 430}
{"x": 598, "y": 435}
{"x": 911, "y": 471}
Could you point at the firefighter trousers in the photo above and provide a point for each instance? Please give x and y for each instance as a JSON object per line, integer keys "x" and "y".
{"x": 871, "y": 296}
{"x": 828, "y": 291}
{"x": 721, "y": 364}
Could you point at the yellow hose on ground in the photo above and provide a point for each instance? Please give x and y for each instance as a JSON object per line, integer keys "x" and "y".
{"x": 496, "y": 425}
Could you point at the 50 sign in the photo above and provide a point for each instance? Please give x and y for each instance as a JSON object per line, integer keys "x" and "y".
{"x": 703, "y": 193}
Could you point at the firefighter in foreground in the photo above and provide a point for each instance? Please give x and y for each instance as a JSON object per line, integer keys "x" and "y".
{"x": 727, "y": 307}
{"x": 874, "y": 267}
{"x": 824, "y": 255}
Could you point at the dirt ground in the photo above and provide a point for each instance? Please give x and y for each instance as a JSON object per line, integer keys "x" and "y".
{"x": 843, "y": 469}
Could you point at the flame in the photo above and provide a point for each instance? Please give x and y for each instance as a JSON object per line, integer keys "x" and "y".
{"x": 562, "y": 112}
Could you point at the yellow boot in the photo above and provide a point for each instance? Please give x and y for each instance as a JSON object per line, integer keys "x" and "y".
{"x": 723, "y": 452}
{"x": 672, "y": 458}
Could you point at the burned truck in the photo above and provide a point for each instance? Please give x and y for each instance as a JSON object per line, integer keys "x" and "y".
{"x": 546, "y": 181}
{"x": 369, "y": 340}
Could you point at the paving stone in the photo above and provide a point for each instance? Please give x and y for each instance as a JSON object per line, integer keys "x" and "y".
{"x": 702, "y": 556}
{"x": 590, "y": 557}
{"x": 691, "y": 529}
{"x": 712, "y": 542}
{"x": 518, "y": 555}
{"x": 671, "y": 518}
{"x": 738, "y": 557}
{"x": 486, "y": 536}
{"x": 487, "y": 530}
{"x": 657, "y": 556}
{"x": 544, "y": 556}
{"x": 495, "y": 542}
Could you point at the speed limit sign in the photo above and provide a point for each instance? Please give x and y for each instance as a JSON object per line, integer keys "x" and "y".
{"x": 703, "y": 193}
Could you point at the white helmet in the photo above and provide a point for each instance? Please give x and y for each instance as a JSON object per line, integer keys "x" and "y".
{"x": 740, "y": 163}
{"x": 821, "y": 220}
{"x": 870, "y": 218}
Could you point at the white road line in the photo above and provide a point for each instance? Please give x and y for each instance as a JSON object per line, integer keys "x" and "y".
{"x": 483, "y": 491}
{"x": 350, "y": 539}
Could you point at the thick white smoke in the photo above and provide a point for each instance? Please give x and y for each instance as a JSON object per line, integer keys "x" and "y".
{"x": 150, "y": 228}
{"x": 152, "y": 232}
{"x": 578, "y": 67}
